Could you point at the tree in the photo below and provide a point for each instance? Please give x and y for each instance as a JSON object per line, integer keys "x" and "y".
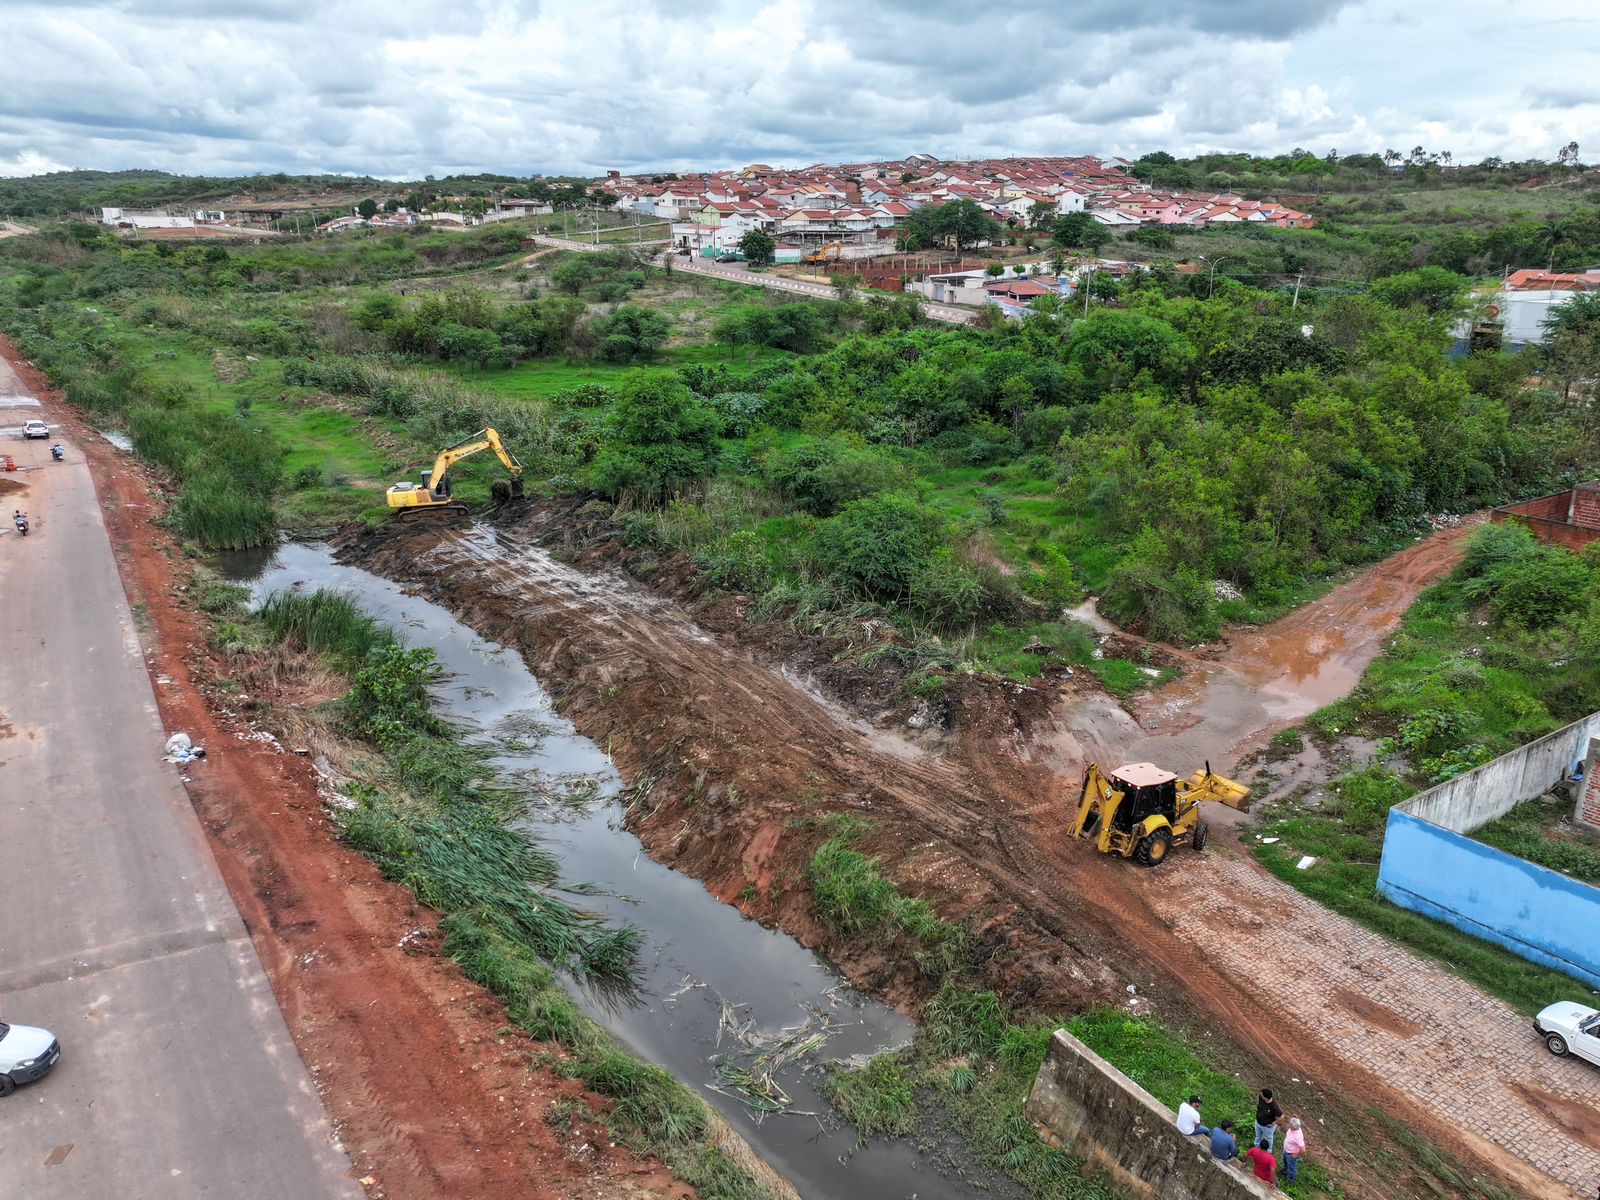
{"x": 1433, "y": 289}
{"x": 962, "y": 222}
{"x": 1079, "y": 230}
{"x": 1568, "y": 155}
{"x": 632, "y": 334}
{"x": 879, "y": 545}
{"x": 368, "y": 208}
{"x": 660, "y": 439}
{"x": 994, "y": 270}
{"x": 758, "y": 247}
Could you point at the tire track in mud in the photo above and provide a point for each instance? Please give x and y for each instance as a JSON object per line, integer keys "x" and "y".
{"x": 635, "y": 672}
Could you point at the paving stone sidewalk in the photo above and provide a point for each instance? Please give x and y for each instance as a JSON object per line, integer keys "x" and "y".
{"x": 1459, "y": 1052}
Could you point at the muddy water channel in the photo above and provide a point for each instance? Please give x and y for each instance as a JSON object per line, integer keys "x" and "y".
{"x": 718, "y": 995}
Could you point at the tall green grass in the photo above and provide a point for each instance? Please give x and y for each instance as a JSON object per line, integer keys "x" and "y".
{"x": 854, "y": 897}
{"x": 326, "y": 622}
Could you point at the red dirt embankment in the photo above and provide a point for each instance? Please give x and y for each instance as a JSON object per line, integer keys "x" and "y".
{"x": 431, "y": 1089}
{"x": 733, "y": 735}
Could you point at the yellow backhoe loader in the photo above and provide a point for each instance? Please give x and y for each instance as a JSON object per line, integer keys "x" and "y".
{"x": 1140, "y": 811}
{"x": 822, "y": 254}
{"x": 434, "y": 493}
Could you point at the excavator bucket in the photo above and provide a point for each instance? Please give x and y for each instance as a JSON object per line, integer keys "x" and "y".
{"x": 1203, "y": 785}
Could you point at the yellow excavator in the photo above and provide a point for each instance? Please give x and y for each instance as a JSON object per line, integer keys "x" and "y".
{"x": 822, "y": 255}
{"x": 434, "y": 493}
{"x": 1140, "y": 811}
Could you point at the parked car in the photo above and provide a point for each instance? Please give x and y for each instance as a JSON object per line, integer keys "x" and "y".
{"x": 36, "y": 429}
{"x": 26, "y": 1054}
{"x": 731, "y": 256}
{"x": 1569, "y": 1028}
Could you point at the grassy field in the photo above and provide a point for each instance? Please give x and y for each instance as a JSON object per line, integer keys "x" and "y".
{"x": 543, "y": 378}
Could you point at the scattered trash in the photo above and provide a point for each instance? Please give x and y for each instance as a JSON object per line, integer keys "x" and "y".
{"x": 180, "y": 749}
{"x": 1305, "y": 863}
{"x": 1267, "y": 841}
{"x": 1223, "y": 590}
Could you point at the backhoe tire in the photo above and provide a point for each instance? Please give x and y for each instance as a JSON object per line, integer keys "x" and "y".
{"x": 1154, "y": 848}
{"x": 1201, "y": 831}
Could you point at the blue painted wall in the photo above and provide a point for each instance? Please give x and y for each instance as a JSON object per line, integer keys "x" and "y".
{"x": 1535, "y": 912}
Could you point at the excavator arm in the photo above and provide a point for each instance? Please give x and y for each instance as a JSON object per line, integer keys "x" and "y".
{"x": 484, "y": 439}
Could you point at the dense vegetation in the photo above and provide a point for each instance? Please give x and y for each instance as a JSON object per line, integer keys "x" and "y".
{"x": 64, "y": 192}
{"x": 1146, "y": 450}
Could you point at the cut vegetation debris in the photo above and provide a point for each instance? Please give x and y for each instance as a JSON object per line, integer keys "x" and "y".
{"x": 749, "y": 1073}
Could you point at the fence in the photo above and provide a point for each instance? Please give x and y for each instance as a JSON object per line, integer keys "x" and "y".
{"x": 1431, "y": 866}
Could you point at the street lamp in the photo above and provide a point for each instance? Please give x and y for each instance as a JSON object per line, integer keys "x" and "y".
{"x": 1211, "y": 285}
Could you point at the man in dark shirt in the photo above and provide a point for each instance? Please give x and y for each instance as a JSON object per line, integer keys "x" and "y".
{"x": 1222, "y": 1142}
{"x": 1268, "y": 1114}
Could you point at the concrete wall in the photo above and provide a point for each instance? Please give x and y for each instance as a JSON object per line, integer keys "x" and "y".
{"x": 1087, "y": 1107}
{"x": 1537, "y": 913}
{"x": 1471, "y": 801}
{"x": 1431, "y": 866}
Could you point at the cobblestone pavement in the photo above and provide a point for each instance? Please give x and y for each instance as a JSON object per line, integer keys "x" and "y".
{"x": 1466, "y": 1056}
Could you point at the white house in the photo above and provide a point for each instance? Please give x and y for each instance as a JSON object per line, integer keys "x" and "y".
{"x": 145, "y": 220}
{"x": 1528, "y": 297}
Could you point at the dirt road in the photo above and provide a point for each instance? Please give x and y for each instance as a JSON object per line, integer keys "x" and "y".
{"x": 732, "y": 751}
{"x": 431, "y": 1090}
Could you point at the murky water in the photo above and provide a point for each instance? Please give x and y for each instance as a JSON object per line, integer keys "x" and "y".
{"x": 715, "y": 987}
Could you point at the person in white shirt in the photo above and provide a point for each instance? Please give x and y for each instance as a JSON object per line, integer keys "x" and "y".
{"x": 1189, "y": 1117}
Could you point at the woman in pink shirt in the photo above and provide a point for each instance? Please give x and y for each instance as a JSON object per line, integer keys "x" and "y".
{"x": 1294, "y": 1145}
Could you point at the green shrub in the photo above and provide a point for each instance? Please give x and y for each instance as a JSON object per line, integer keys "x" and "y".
{"x": 879, "y": 545}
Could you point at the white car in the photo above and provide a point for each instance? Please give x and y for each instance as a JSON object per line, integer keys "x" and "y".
{"x": 36, "y": 429}
{"x": 1569, "y": 1028}
{"x": 26, "y": 1054}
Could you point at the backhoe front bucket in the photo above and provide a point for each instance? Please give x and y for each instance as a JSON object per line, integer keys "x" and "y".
{"x": 1205, "y": 786}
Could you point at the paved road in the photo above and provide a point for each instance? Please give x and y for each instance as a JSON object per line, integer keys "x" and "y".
{"x": 953, "y": 314}
{"x": 178, "y": 1078}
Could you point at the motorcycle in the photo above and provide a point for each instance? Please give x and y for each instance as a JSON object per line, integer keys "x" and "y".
{"x": 57, "y": 453}
{"x": 21, "y": 523}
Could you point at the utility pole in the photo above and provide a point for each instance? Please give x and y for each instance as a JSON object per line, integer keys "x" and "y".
{"x": 1296, "y": 303}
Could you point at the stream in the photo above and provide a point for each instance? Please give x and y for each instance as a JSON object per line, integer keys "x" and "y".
{"x": 713, "y": 985}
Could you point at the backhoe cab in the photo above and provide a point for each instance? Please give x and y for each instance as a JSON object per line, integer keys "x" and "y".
{"x": 434, "y": 493}
{"x": 1140, "y": 811}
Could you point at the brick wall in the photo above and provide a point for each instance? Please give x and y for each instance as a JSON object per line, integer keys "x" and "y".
{"x": 1556, "y": 519}
{"x": 1588, "y": 811}
{"x": 1586, "y": 507}
{"x": 1087, "y": 1107}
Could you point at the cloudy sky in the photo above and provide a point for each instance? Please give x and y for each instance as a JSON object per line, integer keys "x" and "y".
{"x": 403, "y": 88}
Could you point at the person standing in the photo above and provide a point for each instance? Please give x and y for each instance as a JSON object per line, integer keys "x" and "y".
{"x": 1294, "y": 1145}
{"x": 1266, "y": 1167}
{"x": 1189, "y": 1117}
{"x": 1268, "y": 1114}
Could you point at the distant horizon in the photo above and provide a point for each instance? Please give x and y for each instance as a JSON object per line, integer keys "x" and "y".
{"x": 637, "y": 172}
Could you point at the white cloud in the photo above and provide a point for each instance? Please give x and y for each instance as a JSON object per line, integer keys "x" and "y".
{"x": 438, "y": 86}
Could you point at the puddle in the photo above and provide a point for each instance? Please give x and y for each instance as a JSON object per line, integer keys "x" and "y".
{"x": 709, "y": 977}
{"x": 120, "y": 440}
{"x": 1268, "y": 678}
